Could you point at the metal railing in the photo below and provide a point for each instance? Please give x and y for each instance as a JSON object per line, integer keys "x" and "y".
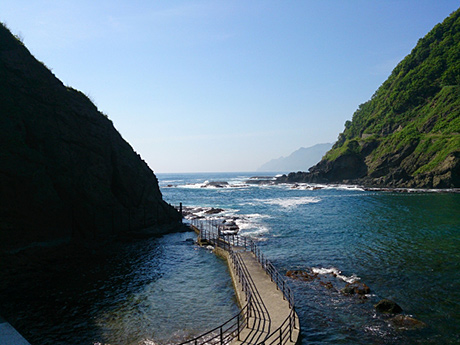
{"x": 254, "y": 311}
{"x": 224, "y": 333}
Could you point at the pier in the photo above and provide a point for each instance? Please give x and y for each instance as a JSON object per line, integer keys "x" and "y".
{"x": 266, "y": 301}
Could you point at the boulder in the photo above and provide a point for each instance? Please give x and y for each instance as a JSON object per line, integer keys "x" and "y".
{"x": 388, "y": 306}
{"x": 356, "y": 288}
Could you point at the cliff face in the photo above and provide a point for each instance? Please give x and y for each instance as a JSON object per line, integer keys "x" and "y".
{"x": 65, "y": 172}
{"x": 408, "y": 134}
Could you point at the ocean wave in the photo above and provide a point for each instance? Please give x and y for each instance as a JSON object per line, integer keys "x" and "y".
{"x": 232, "y": 184}
{"x": 291, "y": 202}
{"x": 250, "y": 226}
{"x": 336, "y": 273}
{"x": 345, "y": 187}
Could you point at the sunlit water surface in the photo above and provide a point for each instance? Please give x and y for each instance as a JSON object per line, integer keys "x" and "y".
{"x": 405, "y": 247}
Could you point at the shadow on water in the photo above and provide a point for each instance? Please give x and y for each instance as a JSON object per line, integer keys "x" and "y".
{"x": 135, "y": 293}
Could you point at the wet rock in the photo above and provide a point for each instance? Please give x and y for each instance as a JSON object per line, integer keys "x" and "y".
{"x": 301, "y": 275}
{"x": 347, "y": 290}
{"x": 327, "y": 285}
{"x": 356, "y": 288}
{"x": 361, "y": 288}
{"x": 388, "y": 306}
{"x": 214, "y": 210}
{"x": 216, "y": 184}
{"x": 404, "y": 322}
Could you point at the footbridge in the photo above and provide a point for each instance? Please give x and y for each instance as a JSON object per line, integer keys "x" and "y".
{"x": 267, "y": 315}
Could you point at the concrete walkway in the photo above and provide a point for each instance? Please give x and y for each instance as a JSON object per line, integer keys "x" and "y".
{"x": 271, "y": 310}
{"x": 9, "y": 336}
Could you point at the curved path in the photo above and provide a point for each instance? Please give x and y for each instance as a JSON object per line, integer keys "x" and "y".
{"x": 276, "y": 307}
{"x": 270, "y": 317}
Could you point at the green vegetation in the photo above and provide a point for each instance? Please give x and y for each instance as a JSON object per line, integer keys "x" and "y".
{"x": 415, "y": 112}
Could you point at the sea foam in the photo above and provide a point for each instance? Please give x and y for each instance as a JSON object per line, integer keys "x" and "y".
{"x": 335, "y": 272}
{"x": 291, "y": 202}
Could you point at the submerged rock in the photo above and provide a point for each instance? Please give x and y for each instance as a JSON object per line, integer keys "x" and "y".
{"x": 347, "y": 290}
{"x": 327, "y": 285}
{"x": 388, "y": 306}
{"x": 405, "y": 322}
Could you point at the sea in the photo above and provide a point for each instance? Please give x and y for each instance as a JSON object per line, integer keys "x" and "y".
{"x": 405, "y": 246}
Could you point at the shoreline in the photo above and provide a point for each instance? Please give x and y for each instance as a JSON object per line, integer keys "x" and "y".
{"x": 317, "y": 186}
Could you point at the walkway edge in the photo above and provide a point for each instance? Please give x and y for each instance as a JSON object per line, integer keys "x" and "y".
{"x": 240, "y": 295}
{"x": 9, "y": 335}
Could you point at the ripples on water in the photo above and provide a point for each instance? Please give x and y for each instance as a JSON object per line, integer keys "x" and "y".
{"x": 155, "y": 290}
{"x": 405, "y": 247}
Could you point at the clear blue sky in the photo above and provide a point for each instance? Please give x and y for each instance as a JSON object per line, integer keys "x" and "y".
{"x": 223, "y": 85}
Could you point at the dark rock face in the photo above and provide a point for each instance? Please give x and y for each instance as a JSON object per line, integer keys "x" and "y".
{"x": 387, "y": 306}
{"x": 345, "y": 167}
{"x": 65, "y": 172}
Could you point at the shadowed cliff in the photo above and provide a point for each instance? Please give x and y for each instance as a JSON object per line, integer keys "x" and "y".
{"x": 66, "y": 174}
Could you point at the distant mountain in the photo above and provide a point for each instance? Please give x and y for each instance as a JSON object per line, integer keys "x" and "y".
{"x": 300, "y": 160}
{"x": 408, "y": 134}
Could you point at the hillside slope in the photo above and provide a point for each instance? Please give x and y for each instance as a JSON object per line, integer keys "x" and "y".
{"x": 301, "y": 159}
{"x": 65, "y": 172}
{"x": 408, "y": 134}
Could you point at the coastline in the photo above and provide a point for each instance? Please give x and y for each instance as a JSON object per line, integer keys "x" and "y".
{"x": 267, "y": 180}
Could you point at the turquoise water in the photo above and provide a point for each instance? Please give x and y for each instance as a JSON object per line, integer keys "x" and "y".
{"x": 405, "y": 247}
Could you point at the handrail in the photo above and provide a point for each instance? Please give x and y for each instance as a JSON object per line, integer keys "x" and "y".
{"x": 262, "y": 316}
{"x": 212, "y": 232}
{"x": 223, "y": 334}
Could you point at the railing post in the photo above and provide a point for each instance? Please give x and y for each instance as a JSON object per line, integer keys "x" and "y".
{"x": 238, "y": 322}
{"x": 293, "y": 313}
{"x": 281, "y": 336}
{"x": 221, "y": 336}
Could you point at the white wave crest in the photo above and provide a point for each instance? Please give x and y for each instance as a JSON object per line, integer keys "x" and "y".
{"x": 335, "y": 272}
{"x": 345, "y": 187}
{"x": 291, "y": 202}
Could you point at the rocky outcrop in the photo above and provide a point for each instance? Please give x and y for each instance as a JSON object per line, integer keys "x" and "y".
{"x": 66, "y": 174}
{"x": 405, "y": 323}
{"x": 388, "y": 306}
{"x": 408, "y": 134}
